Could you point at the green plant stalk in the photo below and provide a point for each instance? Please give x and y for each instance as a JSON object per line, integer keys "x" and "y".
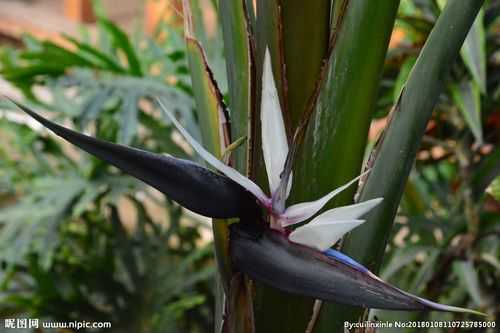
{"x": 335, "y": 141}
{"x": 287, "y": 40}
{"x": 240, "y": 71}
{"x": 213, "y": 126}
{"x": 209, "y": 107}
{"x": 210, "y": 113}
{"x": 396, "y": 153}
{"x": 306, "y": 32}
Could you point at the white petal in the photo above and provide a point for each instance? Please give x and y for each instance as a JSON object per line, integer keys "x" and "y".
{"x": 350, "y": 212}
{"x": 274, "y": 140}
{"x": 321, "y": 236}
{"x": 304, "y": 210}
{"x": 214, "y": 162}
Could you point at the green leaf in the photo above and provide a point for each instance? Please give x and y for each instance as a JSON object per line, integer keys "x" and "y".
{"x": 210, "y": 38}
{"x": 213, "y": 123}
{"x": 179, "y": 307}
{"x": 494, "y": 189}
{"x": 485, "y": 172}
{"x": 335, "y": 142}
{"x": 296, "y": 72}
{"x": 88, "y": 197}
{"x": 346, "y": 103}
{"x": 404, "y": 72}
{"x": 93, "y": 106}
{"x": 31, "y": 72}
{"x": 105, "y": 60}
{"x": 395, "y": 154}
{"x": 311, "y": 33}
{"x": 474, "y": 52}
{"x": 467, "y": 97}
{"x": 239, "y": 68}
{"x": 492, "y": 260}
{"x": 467, "y": 273}
{"x": 122, "y": 42}
{"x": 210, "y": 107}
{"x": 55, "y": 54}
{"x": 402, "y": 257}
{"x": 31, "y": 225}
{"x": 128, "y": 118}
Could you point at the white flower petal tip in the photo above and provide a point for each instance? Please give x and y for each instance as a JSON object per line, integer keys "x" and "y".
{"x": 302, "y": 211}
{"x": 351, "y": 212}
{"x": 321, "y": 236}
{"x": 237, "y": 177}
{"x": 274, "y": 139}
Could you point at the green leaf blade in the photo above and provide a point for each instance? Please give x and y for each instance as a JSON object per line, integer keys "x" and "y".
{"x": 467, "y": 97}
{"x": 213, "y": 123}
{"x": 473, "y": 52}
{"x": 122, "y": 42}
{"x": 395, "y": 155}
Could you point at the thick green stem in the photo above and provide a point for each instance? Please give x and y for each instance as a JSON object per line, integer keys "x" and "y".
{"x": 213, "y": 125}
{"x": 336, "y": 136}
{"x": 396, "y": 153}
{"x": 241, "y": 73}
{"x": 296, "y": 32}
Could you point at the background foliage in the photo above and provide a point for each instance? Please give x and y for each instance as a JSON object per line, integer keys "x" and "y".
{"x": 79, "y": 240}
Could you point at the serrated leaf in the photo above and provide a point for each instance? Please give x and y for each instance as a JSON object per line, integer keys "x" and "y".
{"x": 31, "y": 225}
{"x": 128, "y": 118}
{"x": 93, "y": 106}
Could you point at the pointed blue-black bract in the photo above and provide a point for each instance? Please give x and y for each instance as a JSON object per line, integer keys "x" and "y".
{"x": 269, "y": 257}
{"x": 189, "y": 184}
